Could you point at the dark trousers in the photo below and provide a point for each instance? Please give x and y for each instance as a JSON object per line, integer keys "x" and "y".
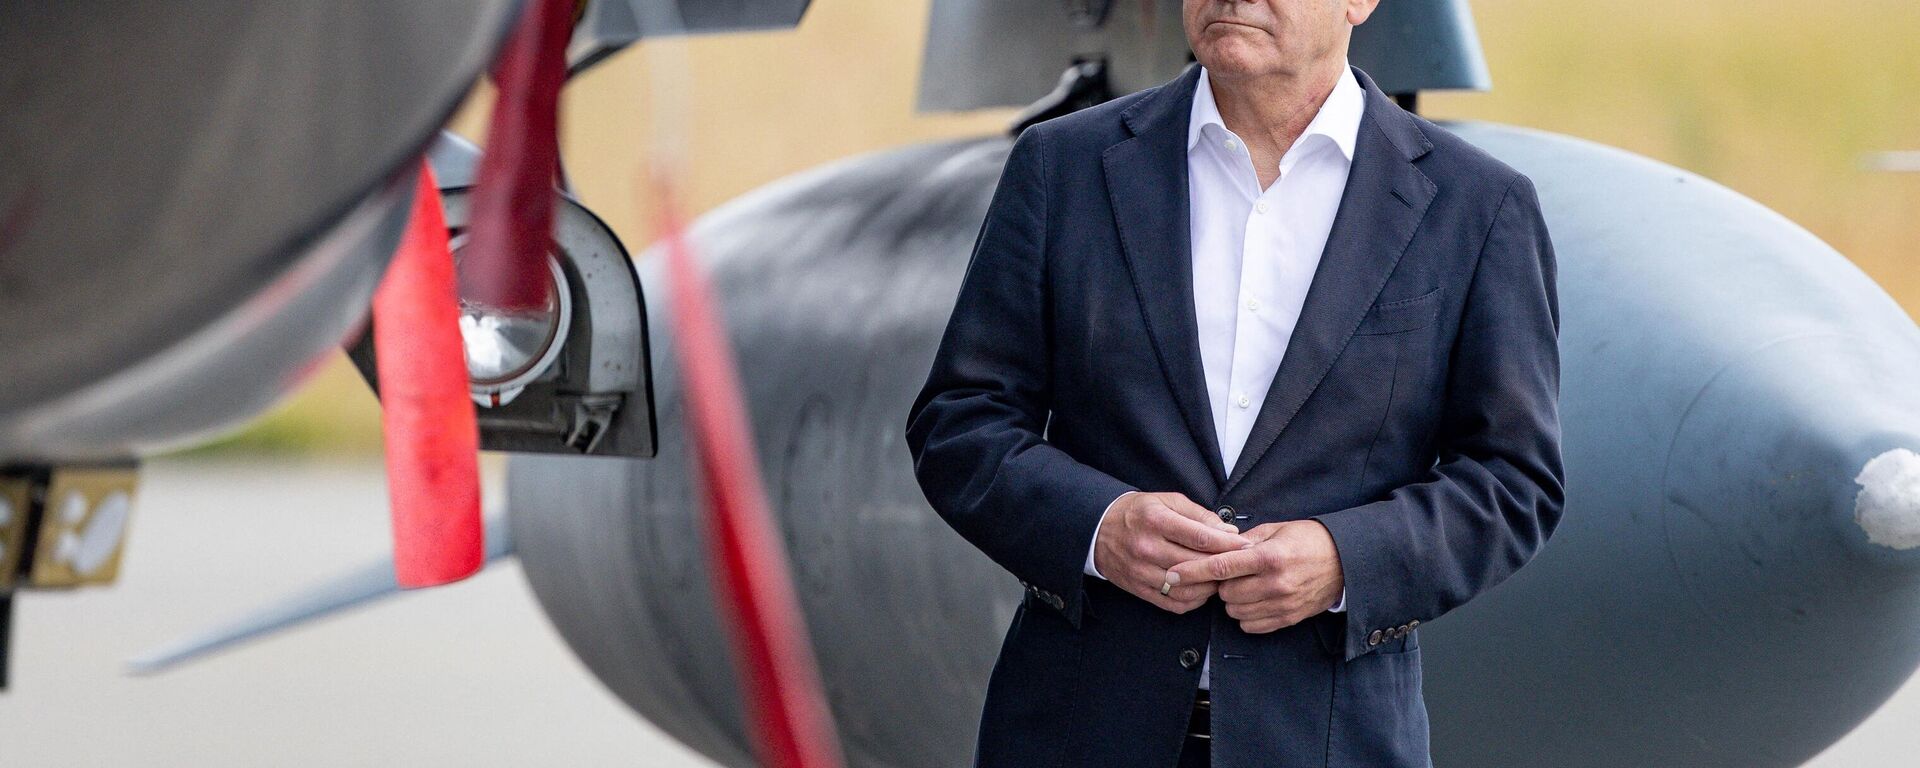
{"x": 1197, "y": 752}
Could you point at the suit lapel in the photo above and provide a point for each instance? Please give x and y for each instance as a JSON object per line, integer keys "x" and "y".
{"x": 1385, "y": 198}
{"x": 1147, "y": 186}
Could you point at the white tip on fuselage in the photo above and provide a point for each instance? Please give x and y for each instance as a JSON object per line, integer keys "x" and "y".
{"x": 1888, "y": 506}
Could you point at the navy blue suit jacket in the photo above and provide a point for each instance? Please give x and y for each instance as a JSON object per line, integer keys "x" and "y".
{"x": 1414, "y": 415}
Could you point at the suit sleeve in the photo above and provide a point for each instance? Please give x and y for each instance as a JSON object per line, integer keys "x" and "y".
{"x": 975, "y": 430}
{"x": 1496, "y": 493}
{"x": 1090, "y": 569}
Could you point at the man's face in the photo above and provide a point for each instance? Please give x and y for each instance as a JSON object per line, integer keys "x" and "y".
{"x": 1260, "y": 37}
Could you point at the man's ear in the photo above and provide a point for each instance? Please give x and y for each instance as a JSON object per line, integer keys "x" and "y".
{"x": 1358, "y": 11}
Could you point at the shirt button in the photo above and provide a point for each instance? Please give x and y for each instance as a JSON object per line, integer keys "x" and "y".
{"x": 1260, "y": 206}
{"x": 1244, "y": 402}
{"x": 1253, "y": 305}
{"x": 1231, "y": 144}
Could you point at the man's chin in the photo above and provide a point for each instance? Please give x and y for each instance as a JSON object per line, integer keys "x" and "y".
{"x": 1236, "y": 58}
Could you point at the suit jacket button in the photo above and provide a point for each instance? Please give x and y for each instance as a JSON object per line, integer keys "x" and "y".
{"x": 1226, "y": 514}
{"x": 1189, "y": 657}
{"x": 1413, "y": 625}
{"x": 1374, "y": 639}
{"x": 1399, "y": 631}
{"x": 1056, "y": 601}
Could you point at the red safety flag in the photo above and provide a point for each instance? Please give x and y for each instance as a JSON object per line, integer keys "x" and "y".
{"x": 788, "y": 715}
{"x": 432, "y": 440}
{"x": 510, "y": 222}
{"x": 432, "y": 437}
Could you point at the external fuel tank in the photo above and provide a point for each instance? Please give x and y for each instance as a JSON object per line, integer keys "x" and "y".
{"x": 1730, "y": 585}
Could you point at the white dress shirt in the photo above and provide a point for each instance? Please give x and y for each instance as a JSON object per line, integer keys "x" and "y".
{"x": 1255, "y": 252}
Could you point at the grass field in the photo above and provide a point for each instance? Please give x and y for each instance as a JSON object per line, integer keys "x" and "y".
{"x": 1777, "y": 99}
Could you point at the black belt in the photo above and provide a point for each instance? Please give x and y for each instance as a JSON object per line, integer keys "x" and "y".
{"x": 1199, "y": 725}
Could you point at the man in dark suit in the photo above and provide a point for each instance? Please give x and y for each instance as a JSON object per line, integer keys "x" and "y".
{"x": 1207, "y": 581}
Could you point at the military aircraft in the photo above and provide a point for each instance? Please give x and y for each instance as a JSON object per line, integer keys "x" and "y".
{"x": 1735, "y": 582}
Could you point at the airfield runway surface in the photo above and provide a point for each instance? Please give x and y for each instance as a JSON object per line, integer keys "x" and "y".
{"x": 469, "y": 674}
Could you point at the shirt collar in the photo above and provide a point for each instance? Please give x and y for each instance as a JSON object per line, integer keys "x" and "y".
{"x": 1338, "y": 118}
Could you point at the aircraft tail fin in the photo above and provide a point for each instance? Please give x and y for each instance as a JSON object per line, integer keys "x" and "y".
{"x": 1007, "y": 53}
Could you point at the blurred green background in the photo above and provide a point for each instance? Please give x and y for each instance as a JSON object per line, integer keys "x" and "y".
{"x": 1778, "y": 99}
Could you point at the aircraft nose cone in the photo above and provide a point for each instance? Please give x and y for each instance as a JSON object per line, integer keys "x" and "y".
{"x": 1798, "y": 457}
{"x": 1791, "y": 513}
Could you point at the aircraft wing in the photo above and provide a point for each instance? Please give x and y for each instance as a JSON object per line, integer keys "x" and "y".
{"x": 1005, "y": 53}
{"x": 607, "y": 26}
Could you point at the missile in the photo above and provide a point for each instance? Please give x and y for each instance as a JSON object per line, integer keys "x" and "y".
{"x": 197, "y": 201}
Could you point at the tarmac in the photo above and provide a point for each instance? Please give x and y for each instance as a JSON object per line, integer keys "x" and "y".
{"x": 469, "y": 674}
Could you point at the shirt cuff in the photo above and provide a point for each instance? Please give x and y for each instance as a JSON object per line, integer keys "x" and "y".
{"x": 1095, "y": 572}
{"x": 1342, "y": 605}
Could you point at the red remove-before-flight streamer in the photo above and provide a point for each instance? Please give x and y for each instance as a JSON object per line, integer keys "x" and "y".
{"x": 432, "y": 434}
{"x": 791, "y": 725}
{"x": 432, "y": 437}
{"x": 511, "y": 221}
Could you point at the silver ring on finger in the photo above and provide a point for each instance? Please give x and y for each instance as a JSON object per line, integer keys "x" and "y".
{"x": 1165, "y": 587}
